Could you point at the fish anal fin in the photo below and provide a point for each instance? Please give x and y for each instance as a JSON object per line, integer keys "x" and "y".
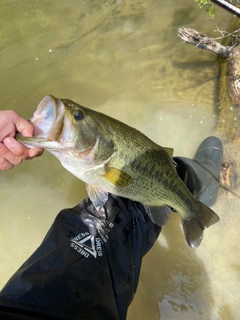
{"x": 117, "y": 177}
{"x": 169, "y": 151}
{"x": 97, "y": 196}
{"x": 158, "y": 214}
{"x": 193, "y": 228}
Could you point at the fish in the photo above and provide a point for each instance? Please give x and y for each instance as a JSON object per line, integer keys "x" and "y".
{"x": 114, "y": 158}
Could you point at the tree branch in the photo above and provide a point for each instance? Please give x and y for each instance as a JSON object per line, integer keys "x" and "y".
{"x": 202, "y": 41}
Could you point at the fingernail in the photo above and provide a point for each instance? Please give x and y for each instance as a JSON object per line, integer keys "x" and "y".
{"x": 27, "y": 132}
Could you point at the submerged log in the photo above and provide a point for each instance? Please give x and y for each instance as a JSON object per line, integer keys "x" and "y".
{"x": 228, "y": 124}
{"x": 201, "y": 41}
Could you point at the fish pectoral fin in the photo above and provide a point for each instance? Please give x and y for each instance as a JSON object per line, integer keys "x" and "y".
{"x": 117, "y": 177}
{"x": 169, "y": 151}
{"x": 158, "y": 215}
{"x": 193, "y": 228}
{"x": 97, "y": 196}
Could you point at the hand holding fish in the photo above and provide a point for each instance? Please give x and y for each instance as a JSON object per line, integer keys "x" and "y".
{"x": 11, "y": 151}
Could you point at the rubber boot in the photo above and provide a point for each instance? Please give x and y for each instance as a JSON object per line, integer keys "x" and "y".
{"x": 201, "y": 175}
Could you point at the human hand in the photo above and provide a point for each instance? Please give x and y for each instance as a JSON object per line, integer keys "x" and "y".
{"x": 11, "y": 151}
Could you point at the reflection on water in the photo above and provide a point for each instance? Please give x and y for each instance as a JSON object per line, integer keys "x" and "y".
{"x": 123, "y": 58}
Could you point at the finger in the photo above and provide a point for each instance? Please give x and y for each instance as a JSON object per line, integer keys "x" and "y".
{"x": 27, "y": 131}
{"x": 20, "y": 150}
{"x": 6, "y": 154}
{"x": 23, "y": 126}
{"x": 35, "y": 152}
{"x": 5, "y": 164}
{"x": 15, "y": 148}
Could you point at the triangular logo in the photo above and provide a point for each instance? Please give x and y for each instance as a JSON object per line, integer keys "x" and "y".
{"x": 88, "y": 244}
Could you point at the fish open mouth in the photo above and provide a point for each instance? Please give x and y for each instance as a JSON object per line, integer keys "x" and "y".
{"x": 47, "y": 119}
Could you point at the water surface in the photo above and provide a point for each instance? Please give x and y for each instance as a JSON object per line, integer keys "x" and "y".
{"x": 123, "y": 58}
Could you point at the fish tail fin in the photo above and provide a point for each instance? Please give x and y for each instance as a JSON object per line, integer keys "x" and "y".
{"x": 193, "y": 228}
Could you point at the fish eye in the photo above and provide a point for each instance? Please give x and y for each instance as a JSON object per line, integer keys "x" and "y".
{"x": 78, "y": 115}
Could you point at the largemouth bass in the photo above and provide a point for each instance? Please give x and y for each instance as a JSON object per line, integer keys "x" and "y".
{"x": 112, "y": 157}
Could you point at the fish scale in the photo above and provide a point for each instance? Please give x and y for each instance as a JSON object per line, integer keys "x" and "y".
{"x": 112, "y": 157}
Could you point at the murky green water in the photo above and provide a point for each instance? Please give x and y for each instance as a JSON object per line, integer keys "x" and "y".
{"x": 123, "y": 58}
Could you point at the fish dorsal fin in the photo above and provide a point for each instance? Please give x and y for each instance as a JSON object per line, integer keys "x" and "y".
{"x": 158, "y": 215}
{"x": 97, "y": 196}
{"x": 169, "y": 151}
{"x": 117, "y": 177}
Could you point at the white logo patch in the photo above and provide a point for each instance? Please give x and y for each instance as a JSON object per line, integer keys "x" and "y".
{"x": 87, "y": 244}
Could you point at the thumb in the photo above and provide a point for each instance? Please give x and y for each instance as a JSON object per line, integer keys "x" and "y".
{"x": 24, "y": 127}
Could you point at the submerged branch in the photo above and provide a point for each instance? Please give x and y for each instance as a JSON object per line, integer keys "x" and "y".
{"x": 228, "y": 124}
{"x": 202, "y": 41}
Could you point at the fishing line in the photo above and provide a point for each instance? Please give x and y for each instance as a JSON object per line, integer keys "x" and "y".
{"x": 220, "y": 185}
{"x": 229, "y": 190}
